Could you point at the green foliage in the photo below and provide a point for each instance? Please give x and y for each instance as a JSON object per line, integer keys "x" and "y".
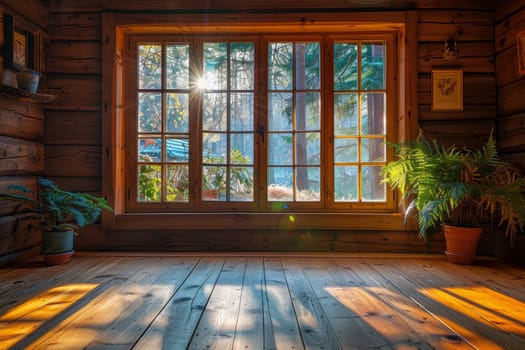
{"x": 457, "y": 187}
{"x": 59, "y": 210}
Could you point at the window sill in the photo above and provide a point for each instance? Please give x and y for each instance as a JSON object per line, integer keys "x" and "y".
{"x": 25, "y": 96}
{"x": 259, "y": 221}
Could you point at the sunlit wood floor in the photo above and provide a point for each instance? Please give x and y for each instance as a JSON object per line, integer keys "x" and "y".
{"x": 262, "y": 302}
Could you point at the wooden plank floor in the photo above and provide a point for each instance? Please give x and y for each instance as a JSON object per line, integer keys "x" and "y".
{"x": 262, "y": 302}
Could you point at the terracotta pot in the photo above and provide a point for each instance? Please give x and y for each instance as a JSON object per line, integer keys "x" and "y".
{"x": 57, "y": 247}
{"x": 462, "y": 243}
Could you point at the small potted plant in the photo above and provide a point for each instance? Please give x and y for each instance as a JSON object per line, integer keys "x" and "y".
{"x": 455, "y": 189}
{"x": 61, "y": 213}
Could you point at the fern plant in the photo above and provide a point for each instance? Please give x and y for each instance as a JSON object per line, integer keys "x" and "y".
{"x": 464, "y": 187}
{"x": 59, "y": 210}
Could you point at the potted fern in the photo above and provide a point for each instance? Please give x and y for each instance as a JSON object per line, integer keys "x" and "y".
{"x": 458, "y": 189}
{"x": 61, "y": 213}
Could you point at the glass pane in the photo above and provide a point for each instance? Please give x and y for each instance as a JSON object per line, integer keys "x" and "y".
{"x": 215, "y": 111}
{"x": 307, "y": 111}
{"x": 214, "y": 148}
{"x": 345, "y": 183}
{"x": 280, "y": 151}
{"x": 280, "y": 111}
{"x": 241, "y": 184}
{"x": 308, "y": 148}
{"x": 280, "y": 184}
{"x": 373, "y": 66}
{"x": 242, "y": 66}
{"x": 216, "y": 65}
{"x": 177, "y": 112}
{"x": 177, "y": 66}
{"x": 241, "y": 111}
{"x": 373, "y": 150}
{"x": 308, "y": 184}
{"x": 346, "y": 114}
{"x": 345, "y": 67}
{"x": 307, "y": 66}
{"x": 280, "y": 66}
{"x": 150, "y": 112}
{"x": 345, "y": 150}
{"x": 177, "y": 150}
{"x": 213, "y": 182}
{"x": 150, "y": 149}
{"x": 373, "y": 116}
{"x": 177, "y": 183}
{"x": 373, "y": 189}
{"x": 149, "y": 183}
{"x": 241, "y": 149}
{"x": 150, "y": 66}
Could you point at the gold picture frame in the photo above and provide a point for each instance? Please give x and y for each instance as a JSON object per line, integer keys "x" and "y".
{"x": 520, "y": 48}
{"x": 447, "y": 90}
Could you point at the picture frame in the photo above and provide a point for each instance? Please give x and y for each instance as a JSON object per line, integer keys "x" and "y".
{"x": 520, "y": 48}
{"x": 20, "y": 45}
{"x": 447, "y": 90}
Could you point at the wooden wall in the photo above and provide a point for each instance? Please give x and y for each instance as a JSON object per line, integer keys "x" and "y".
{"x": 73, "y": 123}
{"x": 21, "y": 142}
{"x": 510, "y": 20}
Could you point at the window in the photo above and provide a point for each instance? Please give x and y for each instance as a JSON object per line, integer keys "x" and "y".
{"x": 255, "y": 123}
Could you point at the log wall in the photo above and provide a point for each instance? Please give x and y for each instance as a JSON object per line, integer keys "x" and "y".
{"x": 74, "y": 122}
{"x": 21, "y": 143}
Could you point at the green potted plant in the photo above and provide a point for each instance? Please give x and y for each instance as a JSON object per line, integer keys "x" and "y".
{"x": 61, "y": 213}
{"x": 457, "y": 188}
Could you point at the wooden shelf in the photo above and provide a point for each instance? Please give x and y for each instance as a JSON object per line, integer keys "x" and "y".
{"x": 25, "y": 96}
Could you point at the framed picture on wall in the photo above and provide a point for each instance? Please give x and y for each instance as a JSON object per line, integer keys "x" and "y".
{"x": 447, "y": 90}
{"x": 19, "y": 49}
{"x": 520, "y": 47}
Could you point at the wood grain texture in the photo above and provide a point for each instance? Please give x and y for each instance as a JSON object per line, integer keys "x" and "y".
{"x": 308, "y": 302}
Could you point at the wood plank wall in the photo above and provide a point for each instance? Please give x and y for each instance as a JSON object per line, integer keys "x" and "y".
{"x": 73, "y": 122}
{"x": 21, "y": 145}
{"x": 510, "y": 20}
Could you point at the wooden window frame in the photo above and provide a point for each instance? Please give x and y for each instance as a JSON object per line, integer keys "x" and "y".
{"x": 115, "y": 29}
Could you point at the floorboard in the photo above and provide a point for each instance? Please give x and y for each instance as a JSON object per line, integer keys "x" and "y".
{"x": 257, "y": 301}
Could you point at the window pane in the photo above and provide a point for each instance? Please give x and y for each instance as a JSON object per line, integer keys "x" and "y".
{"x": 280, "y": 66}
{"x": 150, "y": 149}
{"x": 214, "y": 183}
{"x": 280, "y": 184}
{"x": 345, "y": 182}
{"x": 149, "y": 183}
{"x": 241, "y": 149}
{"x": 372, "y": 67}
{"x": 346, "y": 114}
{"x": 345, "y": 150}
{"x": 241, "y": 184}
{"x": 345, "y": 67}
{"x": 308, "y": 111}
{"x": 150, "y": 66}
{"x": 308, "y": 148}
{"x": 308, "y": 184}
{"x": 373, "y": 150}
{"x": 177, "y": 150}
{"x": 373, "y": 116}
{"x": 177, "y": 66}
{"x": 280, "y": 151}
{"x": 280, "y": 111}
{"x": 373, "y": 189}
{"x": 150, "y": 112}
{"x": 177, "y": 183}
{"x": 242, "y": 66}
{"x": 214, "y": 148}
{"x": 216, "y": 65}
{"x": 241, "y": 111}
{"x": 308, "y": 66}
{"x": 214, "y": 112}
{"x": 177, "y": 115}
